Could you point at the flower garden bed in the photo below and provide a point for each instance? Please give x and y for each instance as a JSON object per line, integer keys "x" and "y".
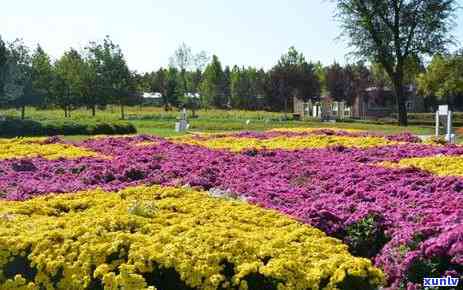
{"x": 390, "y": 199}
{"x": 168, "y": 238}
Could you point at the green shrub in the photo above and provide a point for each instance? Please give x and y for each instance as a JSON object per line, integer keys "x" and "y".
{"x": 366, "y": 237}
{"x": 15, "y": 127}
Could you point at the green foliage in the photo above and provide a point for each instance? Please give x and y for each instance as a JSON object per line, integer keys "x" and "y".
{"x": 212, "y": 83}
{"x": 42, "y": 72}
{"x": 366, "y": 237}
{"x": 432, "y": 267}
{"x": 15, "y": 127}
{"x": 17, "y": 76}
{"x": 443, "y": 79}
{"x": 292, "y": 77}
{"x": 68, "y": 82}
{"x": 3, "y": 59}
{"x": 174, "y": 90}
{"x": 142, "y": 208}
{"x": 345, "y": 83}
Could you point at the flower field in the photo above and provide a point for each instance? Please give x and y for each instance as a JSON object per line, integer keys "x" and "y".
{"x": 281, "y": 209}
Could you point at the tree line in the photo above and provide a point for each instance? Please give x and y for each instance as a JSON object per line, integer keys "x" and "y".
{"x": 99, "y": 76}
{"x": 92, "y": 78}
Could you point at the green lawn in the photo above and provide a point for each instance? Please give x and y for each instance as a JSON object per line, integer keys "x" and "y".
{"x": 155, "y": 121}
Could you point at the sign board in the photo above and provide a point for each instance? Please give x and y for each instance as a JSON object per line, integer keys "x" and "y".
{"x": 443, "y": 110}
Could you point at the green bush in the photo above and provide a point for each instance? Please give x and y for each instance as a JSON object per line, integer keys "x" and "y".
{"x": 11, "y": 127}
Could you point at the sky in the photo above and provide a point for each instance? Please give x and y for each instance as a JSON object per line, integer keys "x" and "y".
{"x": 252, "y": 32}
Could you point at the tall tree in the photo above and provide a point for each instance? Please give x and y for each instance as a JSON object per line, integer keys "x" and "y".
{"x": 293, "y": 77}
{"x": 336, "y": 82}
{"x": 212, "y": 84}
{"x": 42, "y": 73}
{"x": 182, "y": 59}
{"x": 3, "y": 59}
{"x": 114, "y": 81}
{"x": 201, "y": 59}
{"x": 17, "y": 88}
{"x": 390, "y": 31}
{"x": 68, "y": 82}
{"x": 174, "y": 87}
{"x": 226, "y": 86}
{"x": 159, "y": 84}
{"x": 345, "y": 83}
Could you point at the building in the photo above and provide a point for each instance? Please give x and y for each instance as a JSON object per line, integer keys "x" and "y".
{"x": 152, "y": 99}
{"x": 325, "y": 108}
{"x": 376, "y": 102}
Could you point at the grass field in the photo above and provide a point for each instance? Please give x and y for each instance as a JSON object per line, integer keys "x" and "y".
{"x": 156, "y": 121}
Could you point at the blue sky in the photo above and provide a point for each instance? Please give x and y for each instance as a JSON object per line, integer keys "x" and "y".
{"x": 252, "y": 32}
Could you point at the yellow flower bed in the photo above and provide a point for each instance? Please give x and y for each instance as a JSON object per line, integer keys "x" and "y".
{"x": 169, "y": 238}
{"x": 284, "y": 142}
{"x": 146, "y": 143}
{"x": 440, "y": 164}
{"x": 308, "y": 130}
{"x": 23, "y": 140}
{"x": 32, "y": 147}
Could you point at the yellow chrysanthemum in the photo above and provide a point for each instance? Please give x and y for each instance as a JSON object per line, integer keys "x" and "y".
{"x": 94, "y": 239}
{"x": 33, "y": 147}
{"x": 284, "y": 142}
{"x": 439, "y": 164}
{"x": 308, "y": 130}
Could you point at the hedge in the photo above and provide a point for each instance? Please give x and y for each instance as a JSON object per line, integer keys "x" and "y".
{"x": 167, "y": 238}
{"x": 17, "y": 127}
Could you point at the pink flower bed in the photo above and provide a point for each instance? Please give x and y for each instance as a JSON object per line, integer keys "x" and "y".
{"x": 408, "y": 221}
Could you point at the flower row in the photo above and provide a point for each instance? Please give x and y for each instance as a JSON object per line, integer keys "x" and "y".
{"x": 438, "y": 164}
{"x": 237, "y": 144}
{"x": 168, "y": 238}
{"x": 33, "y": 147}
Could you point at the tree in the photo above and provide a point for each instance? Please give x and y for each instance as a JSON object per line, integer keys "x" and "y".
{"x": 174, "y": 90}
{"x": 112, "y": 80}
{"x": 212, "y": 84}
{"x": 345, "y": 83}
{"x": 68, "y": 83}
{"x": 17, "y": 80}
{"x": 159, "y": 84}
{"x": 321, "y": 73}
{"x": 336, "y": 82}
{"x": 292, "y": 77}
{"x": 186, "y": 61}
{"x": 201, "y": 59}
{"x": 226, "y": 86}
{"x": 42, "y": 73}
{"x": 443, "y": 80}
{"x": 391, "y": 31}
{"x": 3, "y": 59}
{"x": 182, "y": 59}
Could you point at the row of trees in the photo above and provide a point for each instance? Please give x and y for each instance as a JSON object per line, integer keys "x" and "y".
{"x": 252, "y": 89}
{"x": 94, "y": 77}
{"x": 237, "y": 87}
{"x": 98, "y": 75}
